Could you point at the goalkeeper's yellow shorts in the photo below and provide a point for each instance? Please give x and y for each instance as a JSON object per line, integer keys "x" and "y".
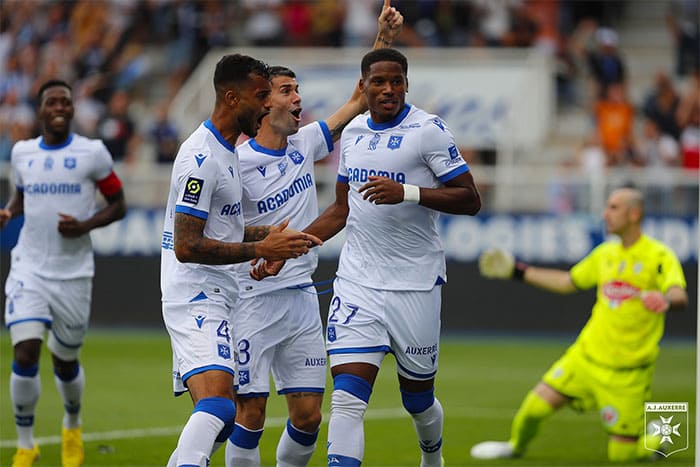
{"x": 618, "y": 394}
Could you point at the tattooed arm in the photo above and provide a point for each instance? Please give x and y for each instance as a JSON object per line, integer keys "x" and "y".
{"x": 191, "y": 246}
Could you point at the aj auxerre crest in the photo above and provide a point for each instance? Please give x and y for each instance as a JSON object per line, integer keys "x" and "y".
{"x": 669, "y": 421}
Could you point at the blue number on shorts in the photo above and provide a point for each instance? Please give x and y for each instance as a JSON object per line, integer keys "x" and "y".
{"x": 335, "y": 306}
{"x": 353, "y": 309}
{"x": 222, "y": 331}
{"x": 243, "y": 354}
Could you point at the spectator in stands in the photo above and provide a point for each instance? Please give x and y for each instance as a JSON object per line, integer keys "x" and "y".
{"x": 614, "y": 117}
{"x": 683, "y": 20}
{"x": 661, "y": 105}
{"x": 164, "y": 136}
{"x": 117, "y": 130}
{"x": 658, "y": 152}
{"x": 605, "y": 62}
{"x": 690, "y": 139}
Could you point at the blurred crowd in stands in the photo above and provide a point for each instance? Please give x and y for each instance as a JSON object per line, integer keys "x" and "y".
{"x": 127, "y": 59}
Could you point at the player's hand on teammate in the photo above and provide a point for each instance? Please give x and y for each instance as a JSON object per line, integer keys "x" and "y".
{"x": 390, "y": 21}
{"x": 70, "y": 227}
{"x": 496, "y": 264}
{"x": 262, "y": 268}
{"x": 284, "y": 243}
{"x": 382, "y": 190}
{"x": 655, "y": 301}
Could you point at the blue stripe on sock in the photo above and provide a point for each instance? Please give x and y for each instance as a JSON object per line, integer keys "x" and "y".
{"x": 336, "y": 460}
{"x": 29, "y": 371}
{"x": 245, "y": 438}
{"x": 301, "y": 437}
{"x": 24, "y": 420}
{"x": 355, "y": 385}
{"x": 432, "y": 448}
{"x": 417, "y": 402}
{"x": 220, "y": 407}
{"x": 225, "y": 432}
{"x": 70, "y": 377}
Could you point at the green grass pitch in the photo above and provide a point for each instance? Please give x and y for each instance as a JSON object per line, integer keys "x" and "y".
{"x": 130, "y": 417}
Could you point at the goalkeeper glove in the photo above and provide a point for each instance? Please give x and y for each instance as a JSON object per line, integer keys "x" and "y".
{"x": 500, "y": 264}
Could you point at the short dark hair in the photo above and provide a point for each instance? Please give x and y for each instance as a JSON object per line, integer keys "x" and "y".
{"x": 235, "y": 69}
{"x": 49, "y": 84}
{"x": 383, "y": 55}
{"x": 279, "y": 70}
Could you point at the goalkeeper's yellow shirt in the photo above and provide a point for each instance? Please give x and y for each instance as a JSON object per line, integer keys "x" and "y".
{"x": 621, "y": 332}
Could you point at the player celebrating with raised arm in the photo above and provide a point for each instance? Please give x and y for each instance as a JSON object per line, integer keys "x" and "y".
{"x": 399, "y": 168}
{"x": 204, "y": 235}
{"x": 277, "y": 321}
{"x": 50, "y": 281}
{"x": 611, "y": 364}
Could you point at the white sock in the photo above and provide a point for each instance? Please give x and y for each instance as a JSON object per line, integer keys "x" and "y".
{"x": 24, "y": 392}
{"x": 346, "y": 436}
{"x": 428, "y": 426}
{"x": 295, "y": 447}
{"x": 71, "y": 393}
{"x": 239, "y": 456}
{"x": 197, "y": 439}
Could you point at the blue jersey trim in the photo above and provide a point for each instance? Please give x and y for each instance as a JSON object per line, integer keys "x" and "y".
{"x": 270, "y": 152}
{"x": 326, "y": 135}
{"x": 302, "y": 389}
{"x": 416, "y": 375}
{"x": 202, "y": 369}
{"x": 391, "y": 123}
{"x": 53, "y": 147}
{"x": 66, "y": 344}
{"x": 249, "y": 395}
{"x": 218, "y": 136}
{"x": 379, "y": 348}
{"x": 453, "y": 173}
{"x": 343, "y": 179}
{"x": 43, "y": 320}
{"x": 192, "y": 211}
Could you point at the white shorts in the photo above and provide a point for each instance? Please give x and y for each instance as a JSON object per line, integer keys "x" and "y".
{"x": 363, "y": 321}
{"x": 280, "y": 331}
{"x": 61, "y": 305}
{"x": 201, "y": 339}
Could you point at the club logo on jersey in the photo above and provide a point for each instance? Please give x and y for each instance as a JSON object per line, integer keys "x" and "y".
{"x": 243, "y": 377}
{"x": 262, "y": 169}
{"x": 200, "y": 159}
{"x": 439, "y": 123}
{"x": 331, "y": 334}
{"x": 373, "y": 142}
{"x": 230, "y": 170}
{"x": 282, "y": 166}
{"x": 609, "y": 415}
{"x": 224, "y": 351}
{"x": 48, "y": 164}
{"x": 394, "y": 142}
{"x": 69, "y": 163}
{"x": 193, "y": 188}
{"x": 667, "y": 421}
{"x": 296, "y": 157}
{"x": 618, "y": 291}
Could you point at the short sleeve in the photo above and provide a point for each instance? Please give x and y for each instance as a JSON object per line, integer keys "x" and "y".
{"x": 670, "y": 272}
{"x": 102, "y": 162}
{"x": 197, "y": 181}
{"x": 440, "y": 152}
{"x": 584, "y": 274}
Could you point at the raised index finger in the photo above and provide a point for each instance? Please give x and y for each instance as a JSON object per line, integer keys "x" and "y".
{"x": 387, "y": 4}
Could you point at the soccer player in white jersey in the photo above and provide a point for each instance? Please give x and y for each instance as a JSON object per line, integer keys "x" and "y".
{"x": 204, "y": 235}
{"x": 277, "y": 321}
{"x": 50, "y": 282}
{"x": 399, "y": 168}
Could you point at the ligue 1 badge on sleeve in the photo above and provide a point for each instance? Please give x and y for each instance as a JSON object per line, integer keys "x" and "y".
{"x": 667, "y": 427}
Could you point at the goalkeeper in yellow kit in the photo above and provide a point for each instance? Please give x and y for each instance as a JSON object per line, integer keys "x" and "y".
{"x": 611, "y": 364}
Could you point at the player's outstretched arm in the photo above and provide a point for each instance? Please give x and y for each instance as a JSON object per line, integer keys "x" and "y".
{"x": 70, "y": 227}
{"x": 500, "y": 264}
{"x": 390, "y": 23}
{"x": 659, "y": 302}
{"x": 332, "y": 219}
{"x": 14, "y": 208}
{"x": 191, "y": 246}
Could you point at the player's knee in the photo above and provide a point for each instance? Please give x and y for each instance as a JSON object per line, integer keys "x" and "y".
{"x": 26, "y": 353}
{"x": 66, "y": 371}
{"x": 417, "y": 402}
{"x": 306, "y": 420}
{"x": 350, "y": 395}
{"x": 221, "y": 407}
{"x": 251, "y": 412}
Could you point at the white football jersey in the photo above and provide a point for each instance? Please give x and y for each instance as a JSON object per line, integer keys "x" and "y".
{"x": 205, "y": 183}
{"x": 57, "y": 179}
{"x": 279, "y": 185}
{"x": 395, "y": 247}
